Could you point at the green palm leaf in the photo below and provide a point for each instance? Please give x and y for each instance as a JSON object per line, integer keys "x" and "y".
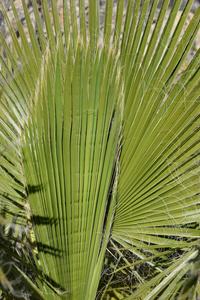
{"x": 100, "y": 136}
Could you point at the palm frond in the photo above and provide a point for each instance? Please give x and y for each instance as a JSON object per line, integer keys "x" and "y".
{"x": 100, "y": 136}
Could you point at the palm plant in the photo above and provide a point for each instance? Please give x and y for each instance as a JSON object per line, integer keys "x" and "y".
{"x": 100, "y": 150}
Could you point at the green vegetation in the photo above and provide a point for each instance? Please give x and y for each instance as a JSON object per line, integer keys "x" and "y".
{"x": 99, "y": 164}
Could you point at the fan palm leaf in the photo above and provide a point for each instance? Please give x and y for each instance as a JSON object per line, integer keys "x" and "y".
{"x": 100, "y": 136}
